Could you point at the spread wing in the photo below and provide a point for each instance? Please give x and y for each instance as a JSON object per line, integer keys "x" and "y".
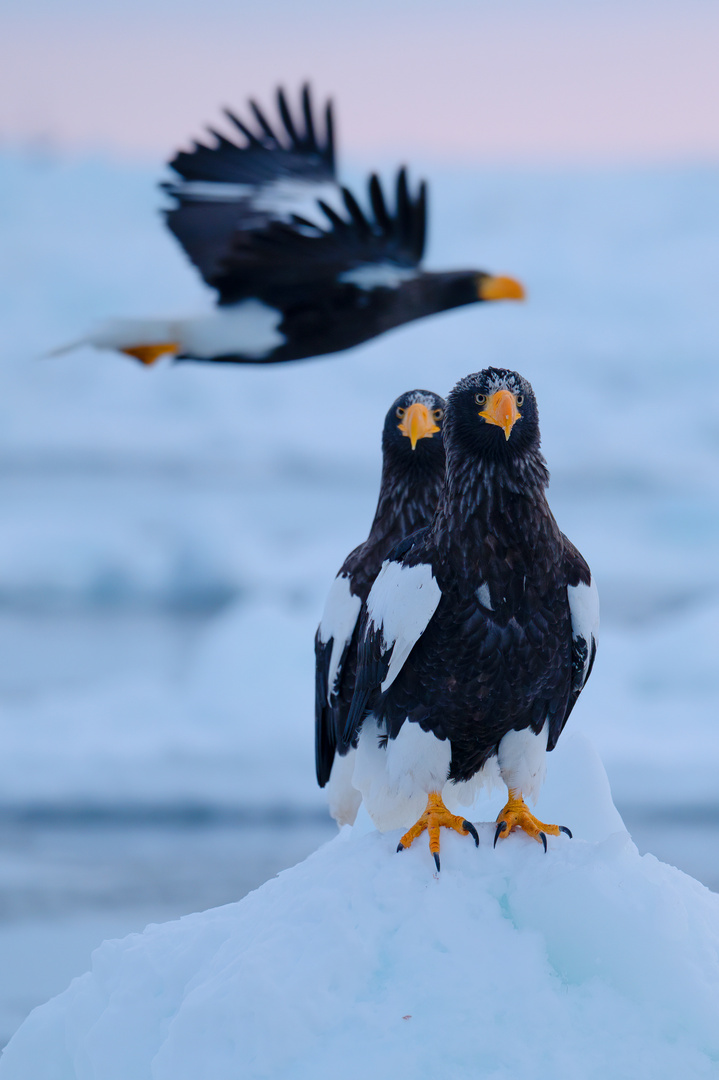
{"x": 400, "y": 607}
{"x": 332, "y": 643}
{"x": 268, "y": 219}
{"x": 227, "y": 189}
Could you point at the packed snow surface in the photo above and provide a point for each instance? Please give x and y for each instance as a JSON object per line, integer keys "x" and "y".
{"x": 588, "y": 962}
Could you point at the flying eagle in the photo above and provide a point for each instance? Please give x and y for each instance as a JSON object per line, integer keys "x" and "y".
{"x": 412, "y": 478}
{"x": 299, "y": 267}
{"x": 480, "y": 630}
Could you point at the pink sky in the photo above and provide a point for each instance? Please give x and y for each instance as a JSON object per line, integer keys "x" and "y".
{"x": 510, "y": 80}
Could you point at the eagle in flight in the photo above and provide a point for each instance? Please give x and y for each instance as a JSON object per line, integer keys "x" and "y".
{"x": 299, "y": 266}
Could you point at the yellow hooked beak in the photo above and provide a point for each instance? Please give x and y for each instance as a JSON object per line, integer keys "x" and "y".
{"x": 500, "y": 288}
{"x": 501, "y": 409}
{"x": 417, "y": 424}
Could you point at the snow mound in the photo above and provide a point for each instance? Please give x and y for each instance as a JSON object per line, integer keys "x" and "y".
{"x": 589, "y": 962}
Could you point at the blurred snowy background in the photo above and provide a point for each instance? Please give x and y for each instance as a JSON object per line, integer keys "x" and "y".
{"x": 167, "y": 536}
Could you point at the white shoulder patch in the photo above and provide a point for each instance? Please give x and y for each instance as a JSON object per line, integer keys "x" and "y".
{"x": 378, "y": 275}
{"x": 584, "y": 611}
{"x": 285, "y": 197}
{"x": 279, "y": 198}
{"x": 484, "y": 597}
{"x": 337, "y": 625}
{"x": 211, "y": 191}
{"x": 402, "y": 602}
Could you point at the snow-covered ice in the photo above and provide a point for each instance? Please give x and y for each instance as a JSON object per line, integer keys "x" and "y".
{"x": 590, "y": 962}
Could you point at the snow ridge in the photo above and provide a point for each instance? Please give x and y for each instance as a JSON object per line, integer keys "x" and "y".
{"x": 351, "y": 963}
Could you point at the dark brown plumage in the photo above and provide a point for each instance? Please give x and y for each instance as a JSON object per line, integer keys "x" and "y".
{"x": 483, "y": 624}
{"x": 412, "y": 477}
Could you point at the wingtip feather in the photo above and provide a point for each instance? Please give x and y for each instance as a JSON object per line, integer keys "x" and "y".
{"x": 286, "y": 117}
{"x": 263, "y": 122}
{"x": 330, "y": 135}
{"x": 252, "y": 139}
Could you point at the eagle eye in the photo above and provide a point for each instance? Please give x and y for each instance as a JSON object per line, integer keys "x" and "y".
{"x": 480, "y": 398}
{"x": 437, "y": 414}
{"x": 400, "y": 412}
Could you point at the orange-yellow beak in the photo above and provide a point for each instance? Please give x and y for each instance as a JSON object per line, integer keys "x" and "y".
{"x": 501, "y": 409}
{"x": 417, "y": 424}
{"x": 500, "y": 288}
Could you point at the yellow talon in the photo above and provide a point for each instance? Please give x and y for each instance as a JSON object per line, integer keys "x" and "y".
{"x": 516, "y": 816}
{"x": 436, "y": 816}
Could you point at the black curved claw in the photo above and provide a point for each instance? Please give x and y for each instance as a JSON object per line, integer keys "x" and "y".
{"x": 436, "y": 860}
{"x": 564, "y": 829}
{"x": 472, "y": 831}
{"x": 498, "y": 832}
{"x": 400, "y": 846}
{"x": 544, "y": 841}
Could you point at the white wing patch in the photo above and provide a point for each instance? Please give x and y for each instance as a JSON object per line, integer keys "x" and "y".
{"x": 584, "y": 612}
{"x": 402, "y": 602}
{"x": 212, "y": 191}
{"x": 279, "y": 199}
{"x": 337, "y": 624}
{"x": 378, "y": 275}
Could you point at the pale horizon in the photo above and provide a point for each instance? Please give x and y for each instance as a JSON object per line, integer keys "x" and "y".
{"x": 573, "y": 83}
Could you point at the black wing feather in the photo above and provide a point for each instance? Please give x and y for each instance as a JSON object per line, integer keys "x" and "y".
{"x": 379, "y": 207}
{"x": 373, "y": 661}
{"x": 310, "y": 137}
{"x": 577, "y": 571}
{"x": 404, "y": 209}
{"x": 329, "y": 150}
{"x": 264, "y": 157}
{"x": 287, "y": 262}
{"x": 223, "y": 143}
{"x": 419, "y": 222}
{"x": 325, "y": 737}
{"x": 358, "y": 219}
{"x": 244, "y": 247}
{"x": 252, "y": 139}
{"x": 203, "y": 222}
{"x": 336, "y": 222}
{"x": 263, "y": 122}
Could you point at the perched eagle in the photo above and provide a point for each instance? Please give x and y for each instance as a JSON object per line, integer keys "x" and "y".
{"x": 299, "y": 267}
{"x": 412, "y": 478}
{"x": 480, "y": 630}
